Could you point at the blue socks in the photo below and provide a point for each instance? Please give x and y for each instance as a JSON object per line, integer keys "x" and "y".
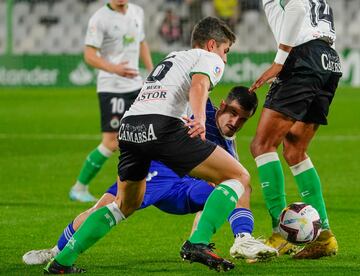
{"x": 241, "y": 221}
{"x": 65, "y": 236}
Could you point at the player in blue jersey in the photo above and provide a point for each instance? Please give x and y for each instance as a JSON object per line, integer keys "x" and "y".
{"x": 172, "y": 194}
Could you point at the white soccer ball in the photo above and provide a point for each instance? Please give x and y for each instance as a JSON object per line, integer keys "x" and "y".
{"x": 300, "y": 223}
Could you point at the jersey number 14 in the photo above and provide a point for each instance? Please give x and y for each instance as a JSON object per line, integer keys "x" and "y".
{"x": 321, "y": 11}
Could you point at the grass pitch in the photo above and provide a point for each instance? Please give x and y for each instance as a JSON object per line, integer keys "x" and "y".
{"x": 45, "y": 134}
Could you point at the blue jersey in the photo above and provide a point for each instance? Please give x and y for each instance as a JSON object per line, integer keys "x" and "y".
{"x": 175, "y": 195}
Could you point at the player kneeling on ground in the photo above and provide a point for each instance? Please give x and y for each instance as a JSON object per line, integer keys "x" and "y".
{"x": 175, "y": 195}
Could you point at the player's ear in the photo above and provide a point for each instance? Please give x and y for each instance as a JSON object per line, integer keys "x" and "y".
{"x": 222, "y": 106}
{"x": 210, "y": 45}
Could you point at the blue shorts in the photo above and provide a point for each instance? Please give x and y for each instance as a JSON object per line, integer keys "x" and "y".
{"x": 170, "y": 193}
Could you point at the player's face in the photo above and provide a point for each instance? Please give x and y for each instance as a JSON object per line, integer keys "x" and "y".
{"x": 231, "y": 117}
{"x": 221, "y": 50}
{"x": 119, "y": 3}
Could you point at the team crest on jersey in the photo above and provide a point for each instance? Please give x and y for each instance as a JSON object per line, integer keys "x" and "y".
{"x": 217, "y": 71}
{"x": 137, "y": 134}
{"x": 128, "y": 39}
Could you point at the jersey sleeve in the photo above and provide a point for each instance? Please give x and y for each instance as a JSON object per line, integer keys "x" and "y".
{"x": 211, "y": 65}
{"x": 95, "y": 33}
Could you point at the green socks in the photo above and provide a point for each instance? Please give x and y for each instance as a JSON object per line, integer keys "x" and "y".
{"x": 93, "y": 164}
{"x": 309, "y": 186}
{"x": 217, "y": 208}
{"x": 272, "y": 183}
{"x": 96, "y": 226}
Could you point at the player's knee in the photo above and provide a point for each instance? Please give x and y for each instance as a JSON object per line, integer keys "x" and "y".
{"x": 257, "y": 147}
{"x": 260, "y": 146}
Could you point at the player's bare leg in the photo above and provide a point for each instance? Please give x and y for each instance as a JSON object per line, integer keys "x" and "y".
{"x": 92, "y": 165}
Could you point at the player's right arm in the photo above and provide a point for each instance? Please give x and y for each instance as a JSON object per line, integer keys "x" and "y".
{"x": 91, "y": 57}
{"x": 294, "y": 14}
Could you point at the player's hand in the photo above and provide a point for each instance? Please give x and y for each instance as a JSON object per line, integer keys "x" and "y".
{"x": 196, "y": 127}
{"x": 123, "y": 70}
{"x": 268, "y": 75}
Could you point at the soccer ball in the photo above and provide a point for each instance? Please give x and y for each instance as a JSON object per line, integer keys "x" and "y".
{"x": 300, "y": 223}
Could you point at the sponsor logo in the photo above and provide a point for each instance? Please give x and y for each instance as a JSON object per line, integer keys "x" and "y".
{"x": 110, "y": 220}
{"x": 71, "y": 243}
{"x": 35, "y": 76}
{"x": 217, "y": 71}
{"x": 81, "y": 75}
{"x": 305, "y": 193}
{"x": 265, "y": 184}
{"x": 128, "y": 39}
{"x": 331, "y": 63}
{"x": 137, "y": 134}
{"x": 152, "y": 92}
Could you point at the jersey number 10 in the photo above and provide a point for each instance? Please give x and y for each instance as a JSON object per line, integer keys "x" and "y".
{"x": 321, "y": 11}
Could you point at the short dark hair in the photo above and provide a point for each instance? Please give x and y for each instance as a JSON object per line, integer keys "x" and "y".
{"x": 211, "y": 28}
{"x": 247, "y": 100}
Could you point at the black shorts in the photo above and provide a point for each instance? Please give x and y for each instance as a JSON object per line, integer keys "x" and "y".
{"x": 144, "y": 138}
{"x": 306, "y": 85}
{"x": 113, "y": 107}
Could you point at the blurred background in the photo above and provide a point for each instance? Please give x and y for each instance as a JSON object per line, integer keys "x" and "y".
{"x": 41, "y": 41}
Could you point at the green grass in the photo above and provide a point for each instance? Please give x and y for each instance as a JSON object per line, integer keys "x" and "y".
{"x": 45, "y": 135}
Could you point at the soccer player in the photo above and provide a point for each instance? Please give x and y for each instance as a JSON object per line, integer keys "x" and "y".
{"x": 114, "y": 41}
{"x": 152, "y": 129}
{"x": 307, "y": 71}
{"x": 175, "y": 195}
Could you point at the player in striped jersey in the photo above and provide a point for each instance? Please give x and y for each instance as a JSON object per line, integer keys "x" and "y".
{"x": 176, "y": 195}
{"x": 307, "y": 70}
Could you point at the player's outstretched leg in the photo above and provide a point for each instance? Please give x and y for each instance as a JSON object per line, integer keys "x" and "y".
{"x": 204, "y": 254}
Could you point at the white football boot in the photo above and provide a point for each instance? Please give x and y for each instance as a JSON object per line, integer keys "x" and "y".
{"x": 81, "y": 194}
{"x": 42, "y": 256}
{"x": 247, "y": 247}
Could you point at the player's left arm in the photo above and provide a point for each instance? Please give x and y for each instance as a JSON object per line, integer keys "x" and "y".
{"x": 145, "y": 56}
{"x": 294, "y": 13}
{"x": 198, "y": 95}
